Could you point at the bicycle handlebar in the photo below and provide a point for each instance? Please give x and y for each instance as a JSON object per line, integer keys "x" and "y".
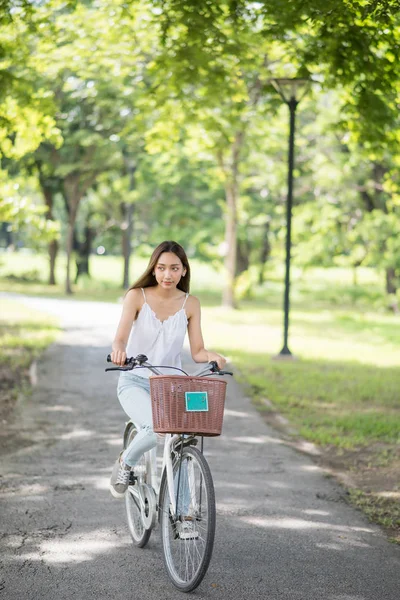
{"x": 141, "y": 361}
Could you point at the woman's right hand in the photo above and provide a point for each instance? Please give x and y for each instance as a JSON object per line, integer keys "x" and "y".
{"x": 118, "y": 357}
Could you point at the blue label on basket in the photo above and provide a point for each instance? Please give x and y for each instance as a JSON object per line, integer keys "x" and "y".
{"x": 196, "y": 401}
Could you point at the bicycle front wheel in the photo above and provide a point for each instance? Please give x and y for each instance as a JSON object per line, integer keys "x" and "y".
{"x": 188, "y": 536}
{"x": 140, "y": 535}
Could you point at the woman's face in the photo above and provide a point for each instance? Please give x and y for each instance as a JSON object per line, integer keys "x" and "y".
{"x": 169, "y": 270}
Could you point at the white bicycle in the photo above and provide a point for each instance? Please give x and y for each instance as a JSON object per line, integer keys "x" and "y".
{"x": 180, "y": 494}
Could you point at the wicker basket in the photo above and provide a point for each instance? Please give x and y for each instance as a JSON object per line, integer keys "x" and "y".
{"x": 169, "y": 404}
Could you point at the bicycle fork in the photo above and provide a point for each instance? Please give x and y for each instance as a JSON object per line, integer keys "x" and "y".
{"x": 182, "y": 493}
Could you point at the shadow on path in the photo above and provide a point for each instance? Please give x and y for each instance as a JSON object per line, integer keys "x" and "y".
{"x": 283, "y": 530}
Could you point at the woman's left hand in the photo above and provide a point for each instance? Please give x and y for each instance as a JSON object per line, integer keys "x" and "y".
{"x": 220, "y": 360}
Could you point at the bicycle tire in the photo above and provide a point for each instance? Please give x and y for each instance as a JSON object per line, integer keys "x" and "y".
{"x": 139, "y": 534}
{"x": 187, "y": 559}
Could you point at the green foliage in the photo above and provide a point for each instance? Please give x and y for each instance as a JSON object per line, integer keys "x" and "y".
{"x": 24, "y": 216}
{"x": 347, "y": 44}
{"x": 181, "y": 91}
{"x": 26, "y": 109}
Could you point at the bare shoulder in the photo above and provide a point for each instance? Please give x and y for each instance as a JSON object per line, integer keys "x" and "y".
{"x": 192, "y": 306}
{"x": 134, "y": 299}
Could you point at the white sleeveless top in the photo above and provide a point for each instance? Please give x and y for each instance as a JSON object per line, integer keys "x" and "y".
{"x": 160, "y": 341}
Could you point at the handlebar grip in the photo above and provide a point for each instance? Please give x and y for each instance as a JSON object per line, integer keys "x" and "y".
{"x": 127, "y": 360}
{"x": 140, "y": 359}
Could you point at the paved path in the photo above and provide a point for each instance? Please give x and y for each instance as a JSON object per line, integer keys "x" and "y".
{"x": 283, "y": 529}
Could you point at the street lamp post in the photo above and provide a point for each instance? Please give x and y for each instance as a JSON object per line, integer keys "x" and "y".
{"x": 291, "y": 92}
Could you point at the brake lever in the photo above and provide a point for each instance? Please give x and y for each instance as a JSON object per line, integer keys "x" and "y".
{"x": 215, "y": 369}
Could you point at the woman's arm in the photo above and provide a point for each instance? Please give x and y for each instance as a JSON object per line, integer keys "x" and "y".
{"x": 130, "y": 308}
{"x": 197, "y": 350}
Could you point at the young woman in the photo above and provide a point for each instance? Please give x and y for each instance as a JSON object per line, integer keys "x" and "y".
{"x": 156, "y": 313}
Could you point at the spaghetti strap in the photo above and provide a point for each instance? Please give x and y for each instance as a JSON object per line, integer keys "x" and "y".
{"x": 144, "y": 295}
{"x": 183, "y": 305}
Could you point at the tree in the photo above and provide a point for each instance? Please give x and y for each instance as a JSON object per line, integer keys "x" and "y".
{"x": 26, "y": 110}
{"x": 91, "y": 95}
{"x": 348, "y": 46}
{"x": 351, "y": 217}
{"x": 23, "y": 214}
{"x": 218, "y": 123}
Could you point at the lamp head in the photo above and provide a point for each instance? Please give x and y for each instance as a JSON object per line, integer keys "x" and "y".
{"x": 291, "y": 90}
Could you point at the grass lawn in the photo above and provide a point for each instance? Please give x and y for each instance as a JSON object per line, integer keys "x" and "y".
{"x": 341, "y": 392}
{"x": 24, "y": 334}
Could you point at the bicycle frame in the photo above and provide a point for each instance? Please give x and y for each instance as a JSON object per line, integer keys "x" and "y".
{"x": 154, "y": 476}
{"x": 151, "y": 460}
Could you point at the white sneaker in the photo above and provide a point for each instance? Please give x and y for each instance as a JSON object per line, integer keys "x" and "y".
{"x": 119, "y": 478}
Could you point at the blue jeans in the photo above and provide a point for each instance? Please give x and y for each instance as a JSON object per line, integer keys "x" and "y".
{"x": 134, "y": 396}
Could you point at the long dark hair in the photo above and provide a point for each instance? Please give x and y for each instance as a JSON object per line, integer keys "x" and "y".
{"x": 148, "y": 279}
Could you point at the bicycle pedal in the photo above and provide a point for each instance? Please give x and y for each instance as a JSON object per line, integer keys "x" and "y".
{"x": 189, "y": 535}
{"x": 187, "y": 530}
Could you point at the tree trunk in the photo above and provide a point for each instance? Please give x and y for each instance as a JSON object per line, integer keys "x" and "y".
{"x": 231, "y": 195}
{"x": 73, "y": 197}
{"x": 228, "y": 298}
{"x": 265, "y": 252}
{"x": 128, "y": 212}
{"x": 53, "y": 251}
{"x": 391, "y": 286}
{"x": 242, "y": 256}
{"x": 70, "y": 244}
{"x": 127, "y": 231}
{"x": 53, "y": 245}
{"x": 83, "y": 253}
{"x": 6, "y": 234}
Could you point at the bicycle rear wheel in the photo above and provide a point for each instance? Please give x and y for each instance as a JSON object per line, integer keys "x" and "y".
{"x": 140, "y": 535}
{"x": 188, "y": 538}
